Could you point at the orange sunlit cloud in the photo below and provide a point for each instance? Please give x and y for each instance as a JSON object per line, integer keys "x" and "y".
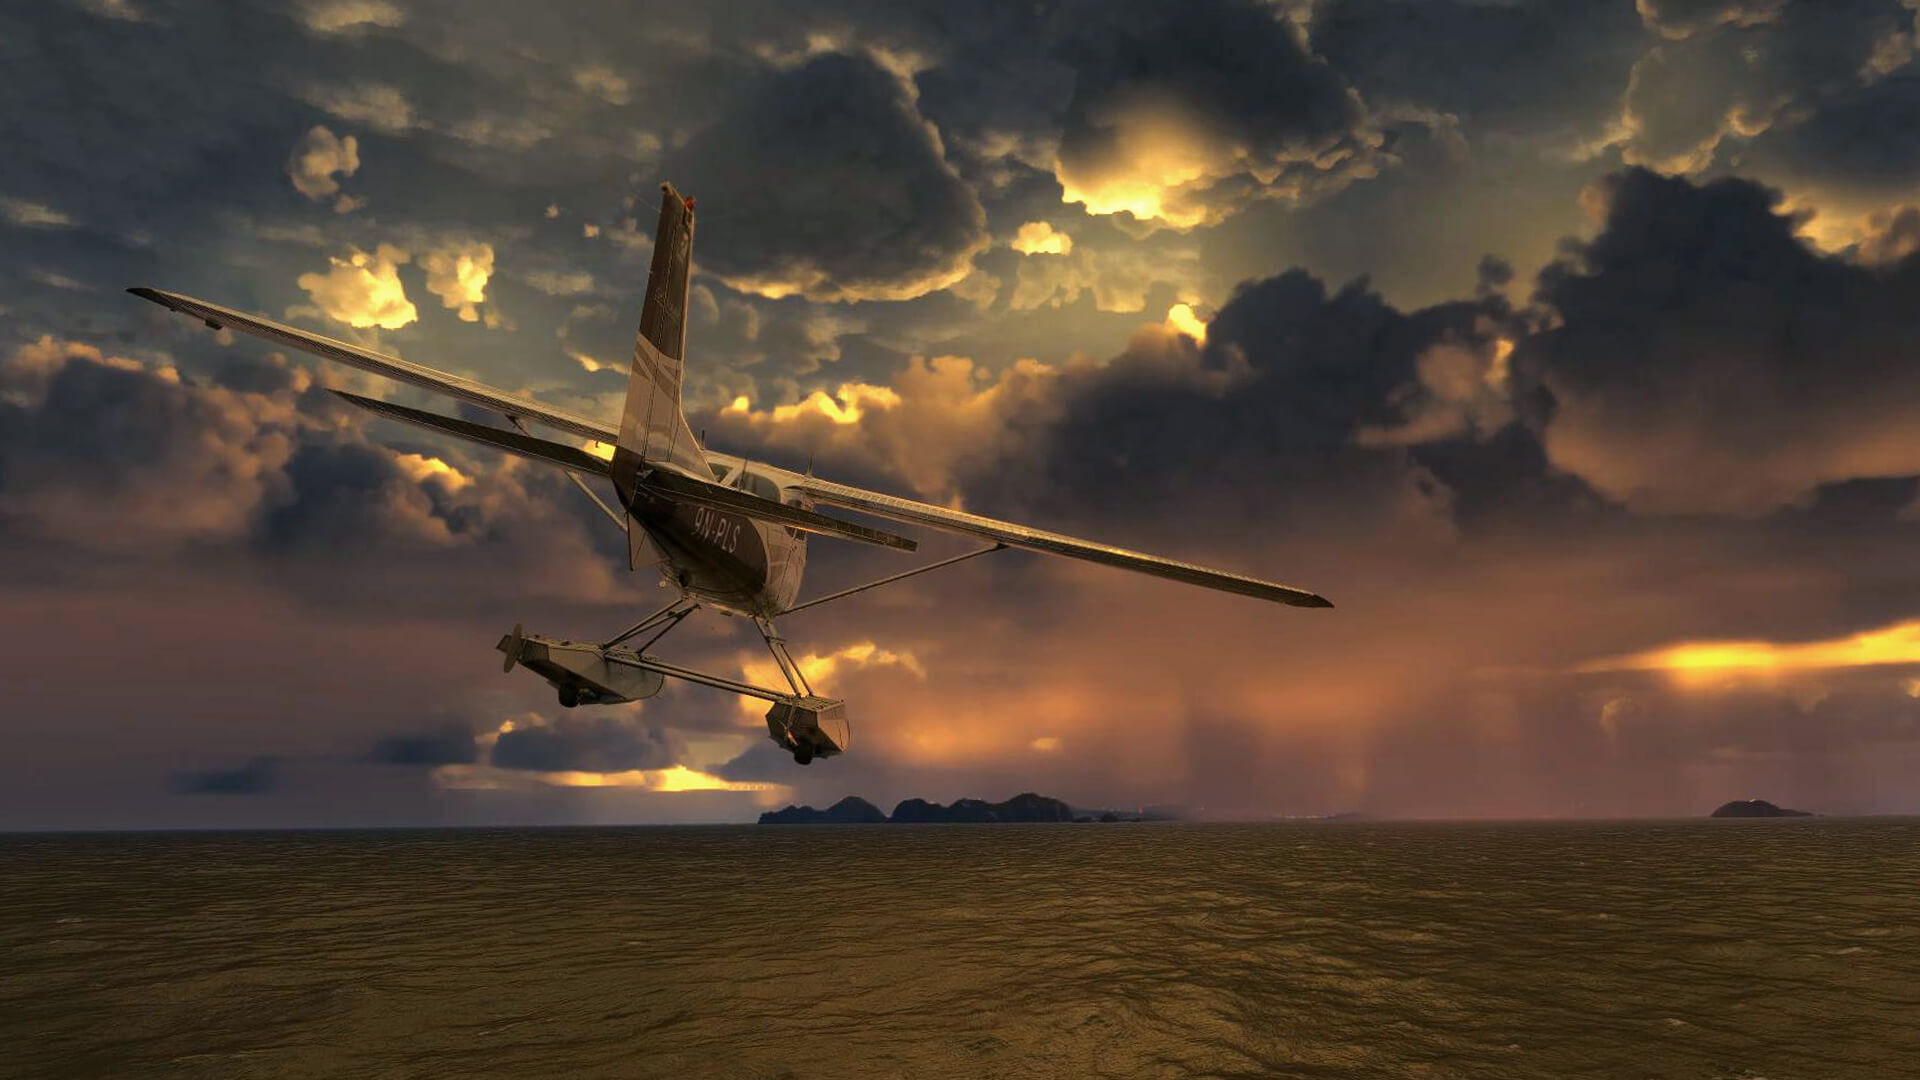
{"x": 1157, "y": 149}
{"x": 852, "y": 402}
{"x": 1694, "y": 662}
{"x": 1181, "y": 319}
{"x": 819, "y": 670}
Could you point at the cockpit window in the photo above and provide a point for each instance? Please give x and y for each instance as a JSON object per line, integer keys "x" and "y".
{"x": 720, "y": 469}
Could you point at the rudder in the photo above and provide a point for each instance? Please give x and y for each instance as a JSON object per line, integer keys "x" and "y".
{"x": 653, "y": 428}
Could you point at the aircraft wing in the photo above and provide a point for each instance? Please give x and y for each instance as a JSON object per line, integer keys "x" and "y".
{"x": 391, "y": 366}
{"x": 1021, "y": 536}
{"x": 660, "y": 482}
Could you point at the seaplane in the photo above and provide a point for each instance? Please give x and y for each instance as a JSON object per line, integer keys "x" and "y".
{"x": 724, "y": 533}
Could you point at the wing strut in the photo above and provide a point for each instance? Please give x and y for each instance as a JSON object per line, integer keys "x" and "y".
{"x": 618, "y": 519}
{"x": 963, "y": 557}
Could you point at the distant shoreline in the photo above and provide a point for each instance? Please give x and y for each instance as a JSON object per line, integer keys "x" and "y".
{"x": 1905, "y": 819}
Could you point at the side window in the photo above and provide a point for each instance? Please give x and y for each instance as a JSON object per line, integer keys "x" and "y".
{"x": 720, "y": 469}
{"x": 763, "y": 486}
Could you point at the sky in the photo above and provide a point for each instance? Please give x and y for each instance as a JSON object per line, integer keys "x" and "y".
{"x": 1567, "y": 347}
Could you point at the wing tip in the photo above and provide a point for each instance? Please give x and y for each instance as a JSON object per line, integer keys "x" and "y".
{"x": 145, "y": 293}
{"x": 1313, "y": 600}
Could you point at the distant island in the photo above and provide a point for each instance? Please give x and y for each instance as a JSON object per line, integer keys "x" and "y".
{"x": 854, "y": 810}
{"x": 1757, "y": 808}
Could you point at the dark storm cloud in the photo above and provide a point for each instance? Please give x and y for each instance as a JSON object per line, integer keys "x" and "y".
{"x": 1892, "y": 236}
{"x": 450, "y": 745}
{"x": 1548, "y": 69}
{"x": 1313, "y": 397}
{"x": 1739, "y": 70}
{"x": 1684, "y": 18}
{"x": 104, "y": 455}
{"x": 156, "y": 459}
{"x": 165, "y": 457}
{"x": 1703, "y": 358}
{"x": 259, "y": 776}
{"x": 1863, "y": 144}
{"x": 584, "y": 743}
{"x": 828, "y": 182}
{"x": 761, "y": 761}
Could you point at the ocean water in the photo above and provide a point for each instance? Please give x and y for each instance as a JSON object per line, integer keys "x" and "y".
{"x": 1776, "y": 949}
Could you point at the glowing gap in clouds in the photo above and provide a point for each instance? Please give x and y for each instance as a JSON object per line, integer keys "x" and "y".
{"x": 1699, "y": 660}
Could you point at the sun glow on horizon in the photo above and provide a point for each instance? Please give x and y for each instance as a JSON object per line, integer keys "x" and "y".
{"x": 674, "y": 778}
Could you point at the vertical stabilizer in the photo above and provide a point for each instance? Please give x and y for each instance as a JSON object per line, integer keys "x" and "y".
{"x": 653, "y": 430}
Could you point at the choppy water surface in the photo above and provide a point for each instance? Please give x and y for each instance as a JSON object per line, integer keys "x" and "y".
{"x": 1777, "y": 949}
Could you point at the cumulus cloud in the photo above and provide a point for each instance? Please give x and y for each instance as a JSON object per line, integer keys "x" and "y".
{"x": 345, "y": 16}
{"x": 107, "y": 454}
{"x": 1703, "y": 358}
{"x": 1040, "y": 238}
{"x": 364, "y": 290}
{"x": 317, "y": 158}
{"x": 1680, "y": 105}
{"x": 1118, "y": 277}
{"x": 1291, "y": 381}
{"x": 1462, "y": 388}
{"x": 458, "y": 275}
{"x": 104, "y": 450}
{"x": 937, "y": 420}
{"x": 1738, "y": 70}
{"x": 825, "y": 181}
{"x": 1184, "y": 116}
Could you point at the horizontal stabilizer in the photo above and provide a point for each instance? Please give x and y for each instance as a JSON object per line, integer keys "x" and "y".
{"x": 553, "y": 453}
{"x": 680, "y": 488}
